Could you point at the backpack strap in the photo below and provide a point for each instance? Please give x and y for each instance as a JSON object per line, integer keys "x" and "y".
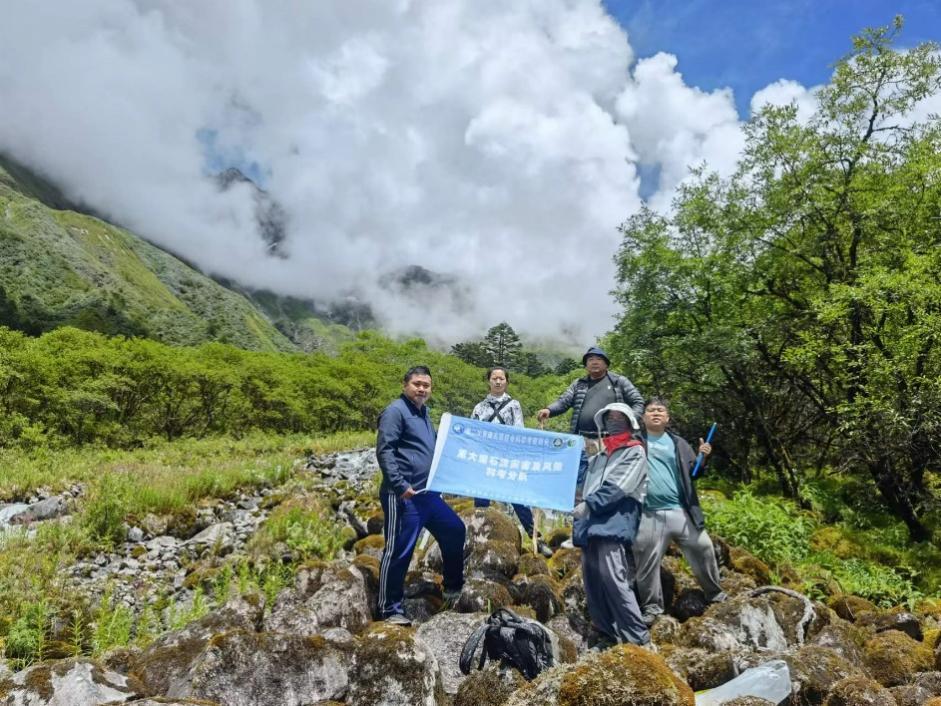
{"x": 467, "y": 652}
{"x": 496, "y": 418}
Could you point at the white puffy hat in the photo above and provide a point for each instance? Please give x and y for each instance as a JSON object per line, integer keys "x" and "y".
{"x": 616, "y": 407}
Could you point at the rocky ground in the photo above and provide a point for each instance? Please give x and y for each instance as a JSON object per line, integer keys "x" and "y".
{"x": 317, "y": 643}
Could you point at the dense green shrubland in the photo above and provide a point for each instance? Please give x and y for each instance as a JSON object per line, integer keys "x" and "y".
{"x": 75, "y": 387}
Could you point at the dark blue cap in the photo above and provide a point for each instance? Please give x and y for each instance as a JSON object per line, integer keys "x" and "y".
{"x": 594, "y": 350}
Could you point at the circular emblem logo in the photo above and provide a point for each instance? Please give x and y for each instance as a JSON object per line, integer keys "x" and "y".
{"x": 557, "y": 443}
{"x": 570, "y": 443}
{"x": 458, "y": 428}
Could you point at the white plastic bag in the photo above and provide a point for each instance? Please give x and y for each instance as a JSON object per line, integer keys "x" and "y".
{"x": 771, "y": 681}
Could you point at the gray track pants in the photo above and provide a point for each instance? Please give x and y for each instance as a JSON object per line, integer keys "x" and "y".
{"x": 657, "y": 529}
{"x": 608, "y": 571}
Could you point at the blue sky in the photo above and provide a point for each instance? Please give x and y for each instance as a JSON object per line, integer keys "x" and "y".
{"x": 746, "y": 45}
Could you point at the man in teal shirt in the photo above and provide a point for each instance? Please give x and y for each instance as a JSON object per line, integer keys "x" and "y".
{"x": 671, "y": 514}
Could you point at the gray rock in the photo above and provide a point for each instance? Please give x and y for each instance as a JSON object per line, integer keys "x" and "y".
{"x": 322, "y": 597}
{"x": 243, "y": 668}
{"x": 135, "y": 535}
{"x": 8, "y": 512}
{"x": 70, "y": 682}
{"x": 392, "y": 667}
{"x": 43, "y": 510}
{"x": 445, "y": 635}
{"x": 219, "y": 539}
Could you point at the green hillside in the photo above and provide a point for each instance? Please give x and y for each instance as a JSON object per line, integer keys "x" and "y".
{"x": 64, "y": 268}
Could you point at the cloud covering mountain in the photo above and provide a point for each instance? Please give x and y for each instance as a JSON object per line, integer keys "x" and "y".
{"x": 496, "y": 144}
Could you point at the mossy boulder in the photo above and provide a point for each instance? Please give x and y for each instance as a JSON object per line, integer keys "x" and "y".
{"x": 750, "y": 565}
{"x": 892, "y": 657}
{"x": 859, "y": 691}
{"x": 241, "y": 668}
{"x": 835, "y": 540}
{"x": 497, "y": 560}
{"x": 68, "y": 681}
{"x": 845, "y": 638}
{"x": 814, "y": 671}
{"x": 665, "y": 630}
{"x": 565, "y": 562}
{"x": 372, "y": 545}
{"x": 445, "y": 635}
{"x": 848, "y": 606}
{"x": 623, "y": 675}
{"x": 542, "y": 593}
{"x": 702, "y": 669}
{"x": 491, "y": 524}
{"x": 900, "y": 620}
{"x": 735, "y": 584}
{"x": 576, "y": 604}
{"x": 483, "y": 596}
{"x": 532, "y": 564}
{"x": 322, "y": 597}
{"x": 742, "y": 623}
{"x": 568, "y": 637}
{"x": 164, "y": 664}
{"x": 557, "y": 536}
{"x": 490, "y": 686}
{"x": 392, "y": 667}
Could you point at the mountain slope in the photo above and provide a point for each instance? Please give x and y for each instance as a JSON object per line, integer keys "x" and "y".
{"x": 61, "y": 267}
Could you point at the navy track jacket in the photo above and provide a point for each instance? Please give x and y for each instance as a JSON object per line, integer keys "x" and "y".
{"x": 405, "y": 446}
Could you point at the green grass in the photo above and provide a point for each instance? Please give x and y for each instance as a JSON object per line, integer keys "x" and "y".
{"x": 828, "y": 546}
{"x": 165, "y": 478}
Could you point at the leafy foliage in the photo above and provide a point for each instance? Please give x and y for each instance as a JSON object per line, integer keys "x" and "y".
{"x": 77, "y": 387}
{"x": 799, "y": 301}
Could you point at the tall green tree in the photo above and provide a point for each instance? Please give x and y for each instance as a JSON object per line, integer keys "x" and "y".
{"x": 503, "y": 346}
{"x": 799, "y": 300}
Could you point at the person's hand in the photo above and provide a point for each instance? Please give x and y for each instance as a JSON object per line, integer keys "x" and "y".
{"x": 580, "y": 511}
{"x": 704, "y": 448}
{"x": 542, "y": 415}
{"x": 408, "y": 494}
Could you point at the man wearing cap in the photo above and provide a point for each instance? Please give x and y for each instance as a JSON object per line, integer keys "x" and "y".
{"x": 588, "y": 395}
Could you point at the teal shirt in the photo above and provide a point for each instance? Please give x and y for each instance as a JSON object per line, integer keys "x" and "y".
{"x": 663, "y": 489}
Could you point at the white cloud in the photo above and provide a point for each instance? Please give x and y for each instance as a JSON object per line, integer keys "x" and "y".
{"x": 496, "y": 142}
{"x": 784, "y": 92}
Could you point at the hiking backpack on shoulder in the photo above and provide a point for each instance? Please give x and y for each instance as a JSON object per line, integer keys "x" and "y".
{"x": 516, "y": 642}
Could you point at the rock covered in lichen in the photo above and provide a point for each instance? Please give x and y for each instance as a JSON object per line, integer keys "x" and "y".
{"x": 859, "y": 691}
{"x": 241, "y": 668}
{"x": 69, "y": 682}
{"x": 491, "y": 686}
{"x": 702, "y": 669}
{"x": 892, "y": 657}
{"x": 162, "y": 668}
{"x": 843, "y": 638}
{"x": 623, "y": 675}
{"x": 392, "y": 667}
{"x": 445, "y": 635}
{"x": 322, "y": 597}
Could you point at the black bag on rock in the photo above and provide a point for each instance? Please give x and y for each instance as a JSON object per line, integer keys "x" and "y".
{"x": 516, "y": 642}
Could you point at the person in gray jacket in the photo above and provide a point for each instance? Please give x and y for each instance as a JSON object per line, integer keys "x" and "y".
{"x": 589, "y": 394}
{"x": 606, "y": 519}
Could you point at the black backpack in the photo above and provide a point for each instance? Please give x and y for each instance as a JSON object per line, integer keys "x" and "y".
{"x": 516, "y": 642}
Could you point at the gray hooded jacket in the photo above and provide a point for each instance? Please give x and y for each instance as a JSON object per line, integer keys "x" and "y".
{"x": 613, "y": 489}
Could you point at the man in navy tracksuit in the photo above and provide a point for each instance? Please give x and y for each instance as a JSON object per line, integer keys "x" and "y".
{"x": 405, "y": 445}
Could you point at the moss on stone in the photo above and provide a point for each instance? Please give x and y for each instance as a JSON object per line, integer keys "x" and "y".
{"x": 390, "y": 653}
{"x": 488, "y": 687}
{"x": 893, "y": 656}
{"x": 38, "y": 679}
{"x": 623, "y": 675}
{"x": 370, "y": 545}
{"x": 532, "y": 565}
{"x": 835, "y": 540}
{"x": 565, "y": 562}
{"x": 745, "y": 563}
{"x": 859, "y": 691}
{"x": 815, "y": 669}
{"x": 848, "y": 606}
{"x": 557, "y": 536}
